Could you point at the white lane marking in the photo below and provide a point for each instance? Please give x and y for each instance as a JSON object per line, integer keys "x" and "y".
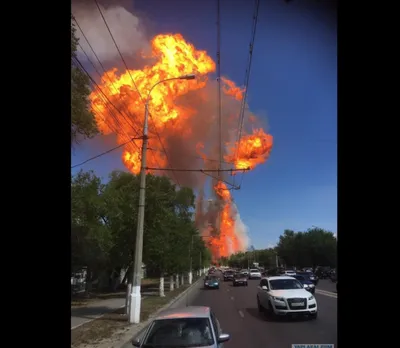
{"x": 241, "y": 314}
{"x": 232, "y": 298}
{"x": 326, "y": 293}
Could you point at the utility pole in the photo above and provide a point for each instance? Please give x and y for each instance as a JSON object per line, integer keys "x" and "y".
{"x": 191, "y": 258}
{"x": 135, "y": 302}
{"x": 219, "y": 109}
{"x": 200, "y": 267}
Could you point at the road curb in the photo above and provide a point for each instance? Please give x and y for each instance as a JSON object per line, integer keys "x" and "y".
{"x": 128, "y": 336}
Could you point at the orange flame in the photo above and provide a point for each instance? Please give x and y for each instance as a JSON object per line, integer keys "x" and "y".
{"x": 226, "y": 242}
{"x": 172, "y": 57}
{"x": 252, "y": 150}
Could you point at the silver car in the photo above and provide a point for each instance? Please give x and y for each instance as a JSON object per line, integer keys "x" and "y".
{"x": 183, "y": 327}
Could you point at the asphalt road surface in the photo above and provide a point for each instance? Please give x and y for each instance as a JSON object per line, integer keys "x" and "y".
{"x": 236, "y": 310}
{"x": 326, "y": 285}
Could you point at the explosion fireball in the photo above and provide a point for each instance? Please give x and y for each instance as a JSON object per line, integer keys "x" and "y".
{"x": 184, "y": 116}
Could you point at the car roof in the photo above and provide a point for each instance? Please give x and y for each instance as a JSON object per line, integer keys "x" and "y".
{"x": 184, "y": 312}
{"x": 278, "y": 277}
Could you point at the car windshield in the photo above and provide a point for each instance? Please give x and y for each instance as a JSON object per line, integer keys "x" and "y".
{"x": 212, "y": 278}
{"x": 305, "y": 275}
{"x": 228, "y": 272}
{"x": 181, "y": 332}
{"x": 239, "y": 275}
{"x": 254, "y": 270}
{"x": 285, "y": 284}
{"x": 299, "y": 277}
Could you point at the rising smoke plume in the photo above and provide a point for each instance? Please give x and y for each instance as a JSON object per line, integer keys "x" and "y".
{"x": 127, "y": 30}
{"x": 184, "y": 116}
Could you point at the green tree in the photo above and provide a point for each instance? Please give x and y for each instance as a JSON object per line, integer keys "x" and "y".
{"x": 121, "y": 201}
{"x": 83, "y": 124}
{"x": 90, "y": 237}
{"x": 311, "y": 248}
{"x": 168, "y": 225}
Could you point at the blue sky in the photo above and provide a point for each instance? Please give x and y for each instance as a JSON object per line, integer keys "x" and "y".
{"x": 293, "y": 87}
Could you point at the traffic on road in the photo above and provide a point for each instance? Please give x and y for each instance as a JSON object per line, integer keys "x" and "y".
{"x": 250, "y": 316}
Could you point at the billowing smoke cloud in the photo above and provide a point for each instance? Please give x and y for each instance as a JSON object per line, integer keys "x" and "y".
{"x": 126, "y": 29}
{"x": 186, "y": 117}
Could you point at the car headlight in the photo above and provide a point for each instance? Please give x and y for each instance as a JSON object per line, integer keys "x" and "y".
{"x": 310, "y": 298}
{"x": 305, "y": 285}
{"x": 279, "y": 299}
{"x": 311, "y": 285}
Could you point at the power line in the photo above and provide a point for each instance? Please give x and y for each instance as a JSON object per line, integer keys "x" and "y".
{"x": 197, "y": 157}
{"x": 198, "y": 170}
{"x": 219, "y": 81}
{"x": 219, "y": 179}
{"x": 134, "y": 84}
{"x": 95, "y": 86}
{"x": 103, "y": 153}
{"x": 112, "y": 83}
{"x": 247, "y": 79}
{"x": 101, "y": 65}
{"x": 94, "y": 82}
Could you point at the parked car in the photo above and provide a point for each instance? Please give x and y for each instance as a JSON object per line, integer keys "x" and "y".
{"x": 183, "y": 327}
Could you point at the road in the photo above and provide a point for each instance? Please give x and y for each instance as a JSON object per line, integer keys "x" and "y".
{"x": 327, "y": 285}
{"x": 236, "y": 310}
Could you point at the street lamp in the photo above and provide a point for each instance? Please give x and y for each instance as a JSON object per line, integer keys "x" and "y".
{"x": 135, "y": 301}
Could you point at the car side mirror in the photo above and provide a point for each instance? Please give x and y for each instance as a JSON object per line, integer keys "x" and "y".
{"x": 223, "y": 338}
{"x": 136, "y": 342}
{"x": 264, "y": 288}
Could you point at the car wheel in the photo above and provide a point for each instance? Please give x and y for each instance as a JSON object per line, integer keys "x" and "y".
{"x": 260, "y": 307}
{"x": 270, "y": 311}
{"x": 314, "y": 316}
{"x": 246, "y": 284}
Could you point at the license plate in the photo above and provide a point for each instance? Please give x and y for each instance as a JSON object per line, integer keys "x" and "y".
{"x": 298, "y": 304}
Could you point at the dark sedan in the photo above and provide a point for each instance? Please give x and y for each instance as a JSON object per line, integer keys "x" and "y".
{"x": 310, "y": 276}
{"x": 240, "y": 279}
{"x": 211, "y": 282}
{"x": 307, "y": 283}
{"x": 228, "y": 275}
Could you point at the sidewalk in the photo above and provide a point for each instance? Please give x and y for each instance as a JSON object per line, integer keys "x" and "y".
{"x": 95, "y": 309}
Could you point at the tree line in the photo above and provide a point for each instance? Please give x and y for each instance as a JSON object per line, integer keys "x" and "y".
{"x": 83, "y": 124}
{"x": 311, "y": 248}
{"x": 104, "y": 220}
{"x": 103, "y": 231}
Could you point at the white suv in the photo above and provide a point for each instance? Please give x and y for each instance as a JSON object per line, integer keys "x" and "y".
{"x": 284, "y": 295}
{"x": 254, "y": 274}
